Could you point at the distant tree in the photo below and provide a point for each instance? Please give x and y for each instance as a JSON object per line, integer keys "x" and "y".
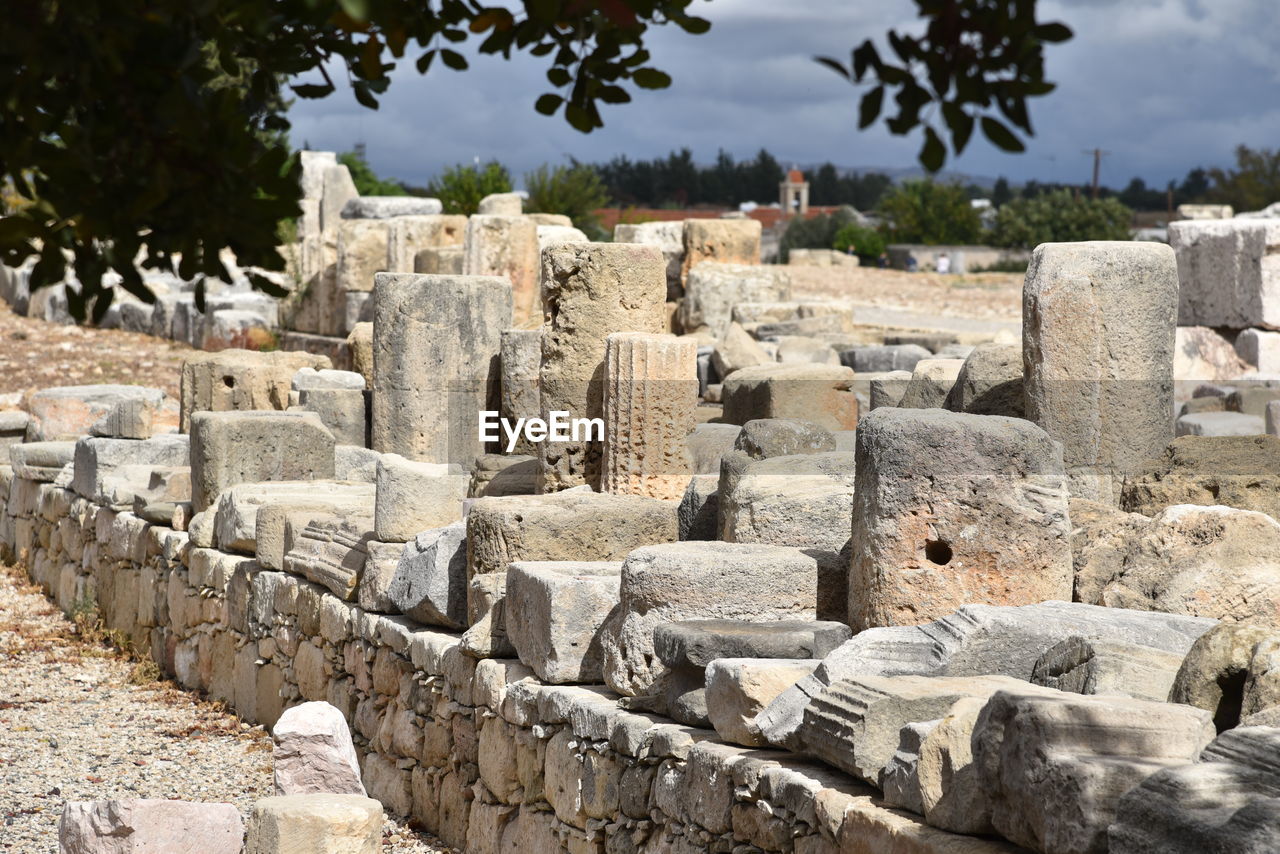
{"x": 575, "y": 191}
{"x": 1194, "y": 187}
{"x": 825, "y": 186}
{"x": 1139, "y": 196}
{"x": 866, "y": 190}
{"x": 1000, "y": 193}
{"x": 817, "y": 232}
{"x": 1253, "y": 184}
{"x": 1059, "y": 217}
{"x": 764, "y": 174}
{"x": 867, "y": 243}
{"x": 461, "y": 188}
{"x": 366, "y": 180}
{"x": 930, "y": 212}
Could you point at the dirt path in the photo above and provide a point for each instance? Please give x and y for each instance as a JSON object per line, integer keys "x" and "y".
{"x": 80, "y": 722}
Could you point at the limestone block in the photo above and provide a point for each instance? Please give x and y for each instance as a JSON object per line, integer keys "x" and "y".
{"x": 440, "y": 261}
{"x": 976, "y": 640}
{"x": 554, "y": 612}
{"x": 496, "y": 475}
{"x": 736, "y": 349}
{"x": 506, "y": 246}
{"x": 1229, "y": 272}
{"x": 1086, "y": 666}
{"x": 761, "y": 438}
{"x": 110, "y": 471}
{"x": 1241, "y": 472}
{"x": 240, "y": 380}
{"x": 228, "y": 448}
{"x": 853, "y": 724}
{"x": 501, "y": 204}
{"x": 1098, "y": 337}
{"x": 1262, "y": 685}
{"x": 738, "y": 689}
{"x": 882, "y": 358}
{"x": 951, "y": 509}
{"x": 650, "y": 393}
{"x": 313, "y": 752}
{"x": 486, "y": 634}
{"x": 309, "y": 378}
{"x": 343, "y": 410}
{"x": 691, "y": 580}
{"x": 712, "y": 288}
{"x": 145, "y": 825}
{"x": 555, "y": 235}
{"x": 1220, "y": 424}
{"x": 989, "y": 382}
{"x": 697, "y": 515}
{"x": 316, "y": 824}
{"x": 1252, "y": 399}
{"x": 931, "y": 383}
{"x": 1225, "y": 802}
{"x": 668, "y": 237}
{"x": 901, "y": 775}
{"x": 430, "y": 581}
{"x": 435, "y": 349}
{"x": 331, "y": 551}
{"x": 1202, "y": 354}
{"x": 1054, "y": 767}
{"x": 1215, "y": 671}
{"x": 362, "y": 253}
{"x": 888, "y": 389}
{"x": 589, "y": 291}
{"x": 254, "y": 517}
{"x": 67, "y": 413}
{"x": 409, "y": 235}
{"x": 373, "y": 591}
{"x": 707, "y": 443}
{"x": 360, "y": 341}
{"x": 1215, "y": 562}
{"x": 723, "y": 241}
{"x": 803, "y": 350}
{"x": 229, "y": 328}
{"x": 822, "y": 394}
{"x": 129, "y": 419}
{"x": 415, "y": 497}
{"x": 521, "y": 363}
{"x": 570, "y": 526}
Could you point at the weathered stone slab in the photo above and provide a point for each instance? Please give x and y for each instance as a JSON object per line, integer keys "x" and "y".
{"x": 67, "y": 413}
{"x": 570, "y": 526}
{"x": 496, "y": 475}
{"x": 430, "y": 582}
{"x": 129, "y": 419}
{"x": 554, "y": 612}
{"x": 1098, "y": 336}
{"x": 228, "y": 448}
{"x": 951, "y": 509}
{"x": 712, "y": 288}
{"x": 699, "y": 580}
{"x": 989, "y": 382}
{"x": 722, "y": 241}
{"x": 931, "y": 383}
{"x": 343, "y": 410}
{"x": 589, "y": 291}
{"x": 739, "y": 689}
{"x": 108, "y": 471}
{"x": 698, "y": 513}
{"x": 241, "y": 380}
{"x": 707, "y": 443}
{"x": 317, "y": 824}
{"x": 1055, "y": 767}
{"x": 501, "y": 204}
{"x": 888, "y": 389}
{"x": 507, "y": 247}
{"x": 881, "y": 358}
{"x": 1088, "y": 666}
{"x": 1241, "y": 472}
{"x": 780, "y": 437}
{"x": 313, "y": 753}
{"x": 1220, "y": 424}
{"x": 521, "y": 363}
{"x": 668, "y": 237}
{"x": 331, "y": 551}
{"x": 900, "y": 778}
{"x": 414, "y": 497}
{"x": 1215, "y": 671}
{"x": 436, "y": 352}
{"x": 1229, "y": 272}
{"x": 821, "y": 394}
{"x": 735, "y": 350}
{"x": 146, "y": 825}
{"x": 386, "y": 207}
{"x": 254, "y": 517}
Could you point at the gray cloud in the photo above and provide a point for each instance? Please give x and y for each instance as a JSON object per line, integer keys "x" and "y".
{"x": 1163, "y": 85}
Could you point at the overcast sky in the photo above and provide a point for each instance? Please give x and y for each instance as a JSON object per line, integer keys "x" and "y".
{"x": 1163, "y": 85}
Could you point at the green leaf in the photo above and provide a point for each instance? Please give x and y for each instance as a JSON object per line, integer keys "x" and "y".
{"x": 1054, "y": 32}
{"x": 693, "y": 25}
{"x": 453, "y": 59}
{"x": 558, "y": 76}
{"x": 547, "y": 104}
{"x": 424, "y": 61}
{"x": 865, "y": 56}
{"x": 933, "y": 154}
{"x": 312, "y": 90}
{"x": 357, "y": 9}
{"x": 960, "y": 123}
{"x": 1001, "y": 137}
{"x": 835, "y": 66}
{"x": 869, "y": 109}
{"x": 613, "y": 94}
{"x": 651, "y": 78}
{"x": 578, "y": 118}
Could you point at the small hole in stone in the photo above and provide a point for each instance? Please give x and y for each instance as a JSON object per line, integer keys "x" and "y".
{"x": 937, "y": 552}
{"x": 229, "y": 382}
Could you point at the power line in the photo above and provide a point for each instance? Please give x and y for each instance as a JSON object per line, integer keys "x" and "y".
{"x": 1098, "y": 154}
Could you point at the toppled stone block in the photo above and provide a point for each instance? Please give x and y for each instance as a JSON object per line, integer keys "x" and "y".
{"x": 888, "y": 389}
{"x": 415, "y": 497}
{"x": 308, "y": 378}
{"x": 497, "y": 475}
{"x": 952, "y": 508}
{"x": 109, "y": 471}
{"x": 821, "y": 394}
{"x": 761, "y": 438}
{"x": 486, "y": 636}
{"x": 690, "y": 580}
{"x": 149, "y": 824}
{"x": 736, "y": 350}
{"x": 1215, "y": 562}
{"x": 241, "y": 380}
{"x": 565, "y": 526}
{"x": 331, "y": 551}
{"x": 387, "y": 207}
{"x": 713, "y": 288}
{"x": 128, "y": 419}
{"x": 1088, "y": 666}
{"x": 989, "y": 382}
{"x": 803, "y": 350}
{"x": 900, "y": 778}
{"x": 317, "y": 824}
{"x": 1220, "y": 424}
{"x": 708, "y": 443}
{"x": 1229, "y": 273}
{"x": 254, "y": 517}
{"x": 313, "y": 753}
{"x": 882, "y": 358}
{"x": 931, "y": 383}
{"x": 430, "y": 581}
{"x": 698, "y": 514}
{"x": 1228, "y": 801}
{"x": 68, "y": 412}
{"x": 1054, "y": 767}
{"x": 1214, "y": 672}
{"x": 344, "y": 411}
{"x": 1252, "y": 400}
{"x": 739, "y": 689}
{"x": 228, "y": 448}
{"x": 1262, "y": 684}
{"x": 1098, "y": 336}
{"x": 1241, "y": 472}
{"x": 230, "y": 328}
{"x": 502, "y": 204}
{"x": 554, "y": 612}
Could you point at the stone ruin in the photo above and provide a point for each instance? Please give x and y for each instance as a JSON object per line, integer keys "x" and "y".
{"x": 804, "y": 591}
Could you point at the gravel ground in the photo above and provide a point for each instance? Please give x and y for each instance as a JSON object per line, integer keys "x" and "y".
{"x": 80, "y": 722}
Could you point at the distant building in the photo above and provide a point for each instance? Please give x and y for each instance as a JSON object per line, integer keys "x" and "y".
{"x": 793, "y": 194}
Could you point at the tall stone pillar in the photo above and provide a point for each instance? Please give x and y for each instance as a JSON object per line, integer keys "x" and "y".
{"x": 521, "y": 362}
{"x": 650, "y": 394}
{"x": 1098, "y": 324}
{"x": 436, "y": 344}
{"x": 505, "y": 246}
{"x": 589, "y": 290}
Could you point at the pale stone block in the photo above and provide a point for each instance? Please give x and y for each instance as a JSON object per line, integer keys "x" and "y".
{"x": 1229, "y": 272}
{"x": 316, "y": 824}
{"x": 821, "y": 394}
{"x": 506, "y": 246}
{"x": 313, "y": 752}
{"x": 713, "y": 287}
{"x": 430, "y": 581}
{"x": 739, "y": 689}
{"x": 413, "y": 497}
{"x": 146, "y": 825}
{"x": 228, "y": 448}
{"x": 66, "y": 413}
{"x": 241, "y": 380}
{"x": 724, "y": 241}
{"x": 554, "y": 613}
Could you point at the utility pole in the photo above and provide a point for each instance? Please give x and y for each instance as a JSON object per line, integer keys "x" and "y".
{"x": 1098, "y": 154}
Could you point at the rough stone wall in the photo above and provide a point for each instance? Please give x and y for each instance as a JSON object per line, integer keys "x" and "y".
{"x": 480, "y": 752}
